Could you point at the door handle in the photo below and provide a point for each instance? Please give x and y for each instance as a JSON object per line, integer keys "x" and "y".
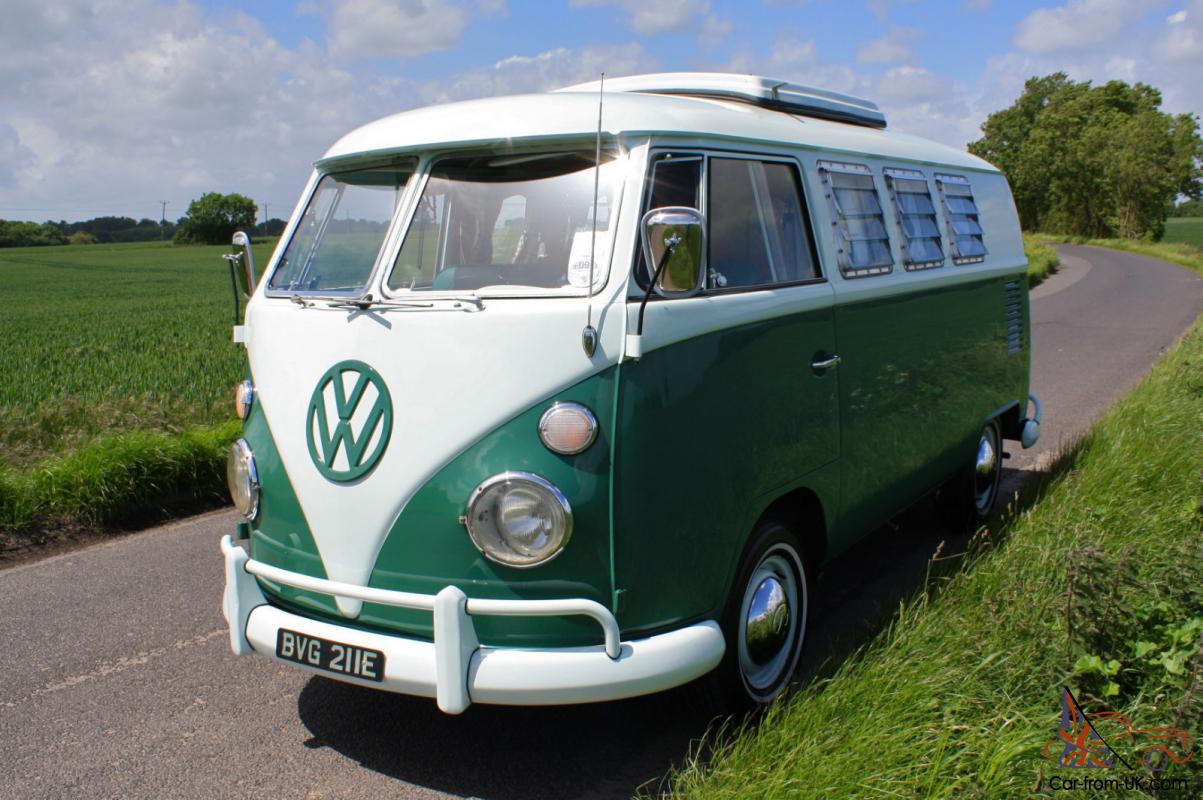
{"x": 825, "y": 363}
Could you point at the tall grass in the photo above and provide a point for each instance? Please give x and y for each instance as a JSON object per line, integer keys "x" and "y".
{"x": 1042, "y": 260}
{"x": 118, "y": 478}
{"x": 1098, "y": 587}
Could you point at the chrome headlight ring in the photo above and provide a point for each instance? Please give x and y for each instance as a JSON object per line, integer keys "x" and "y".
{"x": 518, "y": 519}
{"x": 242, "y": 476}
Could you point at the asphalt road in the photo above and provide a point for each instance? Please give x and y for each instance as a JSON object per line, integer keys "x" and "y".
{"x": 116, "y": 679}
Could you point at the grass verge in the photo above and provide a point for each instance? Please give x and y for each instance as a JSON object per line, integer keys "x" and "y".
{"x": 115, "y": 479}
{"x": 1098, "y": 587}
{"x": 1042, "y": 260}
{"x": 1186, "y": 255}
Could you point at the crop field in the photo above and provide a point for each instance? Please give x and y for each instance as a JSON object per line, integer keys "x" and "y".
{"x": 1184, "y": 230}
{"x": 98, "y": 339}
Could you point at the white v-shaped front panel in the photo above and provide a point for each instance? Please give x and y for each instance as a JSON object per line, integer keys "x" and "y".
{"x": 452, "y": 376}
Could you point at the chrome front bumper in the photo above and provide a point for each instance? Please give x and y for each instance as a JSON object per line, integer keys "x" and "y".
{"x": 455, "y": 668}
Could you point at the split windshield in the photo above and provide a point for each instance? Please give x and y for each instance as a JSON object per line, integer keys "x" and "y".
{"x": 337, "y": 240}
{"x": 516, "y": 221}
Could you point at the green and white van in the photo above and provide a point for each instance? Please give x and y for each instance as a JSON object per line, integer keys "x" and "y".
{"x": 566, "y": 397}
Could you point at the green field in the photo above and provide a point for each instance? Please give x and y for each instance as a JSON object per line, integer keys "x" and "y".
{"x": 116, "y": 383}
{"x": 1184, "y": 230}
{"x": 97, "y": 339}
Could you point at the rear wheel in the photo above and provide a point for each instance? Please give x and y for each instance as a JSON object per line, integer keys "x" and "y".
{"x": 987, "y": 470}
{"x": 765, "y": 620}
{"x": 969, "y": 497}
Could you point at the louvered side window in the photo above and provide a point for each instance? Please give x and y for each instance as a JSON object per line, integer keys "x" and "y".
{"x": 916, "y": 213}
{"x": 960, "y": 209}
{"x": 862, "y": 240}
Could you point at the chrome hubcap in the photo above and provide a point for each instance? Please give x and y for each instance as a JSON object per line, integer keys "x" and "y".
{"x": 985, "y": 474}
{"x": 768, "y": 621}
{"x": 772, "y": 618}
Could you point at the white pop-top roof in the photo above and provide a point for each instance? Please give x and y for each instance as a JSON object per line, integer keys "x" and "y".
{"x": 572, "y": 113}
{"x": 772, "y": 93}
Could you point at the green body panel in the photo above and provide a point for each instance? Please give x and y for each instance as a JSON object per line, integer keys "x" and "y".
{"x": 428, "y": 548}
{"x": 711, "y": 429}
{"x": 280, "y": 535}
{"x": 921, "y": 372}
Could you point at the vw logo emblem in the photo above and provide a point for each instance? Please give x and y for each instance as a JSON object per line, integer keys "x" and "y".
{"x": 349, "y": 422}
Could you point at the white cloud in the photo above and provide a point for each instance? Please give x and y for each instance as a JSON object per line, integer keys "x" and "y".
{"x": 116, "y": 111}
{"x": 552, "y": 69}
{"x": 395, "y": 29}
{"x": 13, "y": 155}
{"x": 1182, "y": 41}
{"x": 1079, "y": 24}
{"x": 112, "y": 113}
{"x": 882, "y": 8}
{"x": 893, "y": 48}
{"x": 667, "y": 16}
{"x": 915, "y": 100}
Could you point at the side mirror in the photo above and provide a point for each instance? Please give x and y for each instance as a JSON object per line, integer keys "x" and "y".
{"x": 684, "y": 230}
{"x": 244, "y": 271}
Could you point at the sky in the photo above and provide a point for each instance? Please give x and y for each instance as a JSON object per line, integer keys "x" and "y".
{"x": 110, "y": 107}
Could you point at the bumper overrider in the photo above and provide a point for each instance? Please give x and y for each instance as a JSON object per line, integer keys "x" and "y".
{"x": 455, "y": 668}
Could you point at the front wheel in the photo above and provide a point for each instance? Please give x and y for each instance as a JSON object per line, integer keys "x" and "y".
{"x": 765, "y": 620}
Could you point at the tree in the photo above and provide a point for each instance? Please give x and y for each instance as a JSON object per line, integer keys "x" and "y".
{"x": 212, "y": 219}
{"x": 1093, "y": 160}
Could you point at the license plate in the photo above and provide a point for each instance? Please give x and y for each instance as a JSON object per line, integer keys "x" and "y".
{"x": 344, "y": 659}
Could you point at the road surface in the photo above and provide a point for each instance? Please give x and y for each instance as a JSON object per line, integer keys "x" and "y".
{"x": 116, "y": 679}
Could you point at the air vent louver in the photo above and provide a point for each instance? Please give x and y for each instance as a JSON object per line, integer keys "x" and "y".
{"x": 1013, "y": 316}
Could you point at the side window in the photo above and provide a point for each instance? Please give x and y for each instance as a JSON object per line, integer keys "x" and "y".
{"x": 968, "y": 246}
{"x": 676, "y": 180}
{"x": 757, "y": 230}
{"x": 921, "y": 246}
{"x": 863, "y": 244}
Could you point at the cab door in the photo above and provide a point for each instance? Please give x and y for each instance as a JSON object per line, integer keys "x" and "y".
{"x": 725, "y": 404}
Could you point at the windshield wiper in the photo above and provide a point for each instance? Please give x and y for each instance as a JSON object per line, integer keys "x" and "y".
{"x": 368, "y": 302}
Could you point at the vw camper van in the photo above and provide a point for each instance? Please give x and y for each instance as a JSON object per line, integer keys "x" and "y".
{"x": 566, "y": 397}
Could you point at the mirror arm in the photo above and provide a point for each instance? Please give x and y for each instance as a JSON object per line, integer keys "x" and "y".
{"x": 234, "y": 286}
{"x": 234, "y": 260}
{"x": 670, "y": 246}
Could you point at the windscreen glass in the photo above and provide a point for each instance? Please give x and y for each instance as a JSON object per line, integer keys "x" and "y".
{"x": 337, "y": 241}
{"x": 513, "y": 222}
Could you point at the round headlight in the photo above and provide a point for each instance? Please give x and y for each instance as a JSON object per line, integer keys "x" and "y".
{"x": 518, "y": 519}
{"x": 244, "y": 396}
{"x": 567, "y": 428}
{"x": 243, "y": 479}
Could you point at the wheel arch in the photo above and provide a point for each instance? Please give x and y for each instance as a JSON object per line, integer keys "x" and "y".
{"x": 803, "y": 510}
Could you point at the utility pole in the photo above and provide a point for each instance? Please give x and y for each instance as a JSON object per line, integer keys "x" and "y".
{"x": 163, "y": 220}
{"x": 265, "y": 219}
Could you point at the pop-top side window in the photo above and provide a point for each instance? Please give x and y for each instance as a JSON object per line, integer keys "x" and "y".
{"x": 921, "y": 245}
{"x": 964, "y": 223}
{"x": 863, "y": 243}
